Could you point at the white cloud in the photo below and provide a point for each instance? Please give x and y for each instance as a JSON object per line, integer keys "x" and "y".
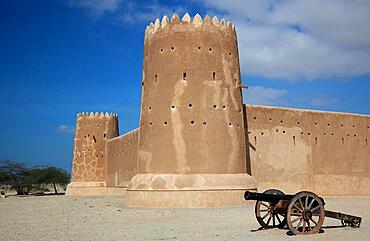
{"x": 277, "y": 38}
{"x": 323, "y": 102}
{"x": 65, "y": 129}
{"x": 138, "y": 13}
{"x": 96, "y": 7}
{"x": 300, "y": 38}
{"x": 263, "y": 95}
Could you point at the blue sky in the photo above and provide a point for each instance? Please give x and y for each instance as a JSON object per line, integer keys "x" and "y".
{"x": 58, "y": 58}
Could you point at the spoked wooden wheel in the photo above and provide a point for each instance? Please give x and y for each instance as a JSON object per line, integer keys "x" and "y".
{"x": 268, "y": 214}
{"x": 305, "y": 213}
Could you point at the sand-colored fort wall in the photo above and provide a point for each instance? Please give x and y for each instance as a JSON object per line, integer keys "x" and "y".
{"x": 192, "y": 140}
{"x": 293, "y": 150}
{"x": 121, "y": 163}
{"x": 197, "y": 144}
{"x": 89, "y": 154}
{"x": 191, "y": 101}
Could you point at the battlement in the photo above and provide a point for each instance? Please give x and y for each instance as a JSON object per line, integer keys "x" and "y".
{"x": 93, "y": 130}
{"x": 97, "y": 114}
{"x": 186, "y": 24}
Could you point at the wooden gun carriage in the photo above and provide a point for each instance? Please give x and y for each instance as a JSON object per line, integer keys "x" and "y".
{"x": 303, "y": 212}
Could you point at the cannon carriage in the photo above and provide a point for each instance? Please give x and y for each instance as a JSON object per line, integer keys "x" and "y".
{"x": 303, "y": 213}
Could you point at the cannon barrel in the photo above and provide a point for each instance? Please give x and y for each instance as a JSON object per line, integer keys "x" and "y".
{"x": 266, "y": 197}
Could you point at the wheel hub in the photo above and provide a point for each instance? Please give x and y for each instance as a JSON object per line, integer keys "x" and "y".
{"x": 307, "y": 214}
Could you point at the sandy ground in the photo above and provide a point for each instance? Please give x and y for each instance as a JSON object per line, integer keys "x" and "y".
{"x": 69, "y": 218}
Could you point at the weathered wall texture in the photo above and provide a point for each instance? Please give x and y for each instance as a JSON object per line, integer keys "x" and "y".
{"x": 192, "y": 121}
{"x": 191, "y": 113}
{"x": 121, "y": 163}
{"x": 294, "y": 150}
{"x": 89, "y": 155}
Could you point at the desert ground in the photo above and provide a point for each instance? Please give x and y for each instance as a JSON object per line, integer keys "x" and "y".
{"x": 105, "y": 218}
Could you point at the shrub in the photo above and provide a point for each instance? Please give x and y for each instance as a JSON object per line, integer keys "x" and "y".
{"x": 24, "y": 180}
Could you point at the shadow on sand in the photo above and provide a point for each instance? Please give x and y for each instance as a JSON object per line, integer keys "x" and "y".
{"x": 290, "y": 233}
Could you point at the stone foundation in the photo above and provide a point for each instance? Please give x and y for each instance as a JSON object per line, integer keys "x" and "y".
{"x": 86, "y": 189}
{"x": 94, "y": 189}
{"x": 115, "y": 191}
{"x": 188, "y": 190}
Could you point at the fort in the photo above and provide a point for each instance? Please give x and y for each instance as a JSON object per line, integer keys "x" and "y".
{"x": 198, "y": 145}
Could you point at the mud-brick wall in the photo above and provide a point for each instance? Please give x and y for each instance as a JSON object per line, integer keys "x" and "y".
{"x": 121, "y": 163}
{"x": 191, "y": 111}
{"x": 293, "y": 150}
{"x": 89, "y": 155}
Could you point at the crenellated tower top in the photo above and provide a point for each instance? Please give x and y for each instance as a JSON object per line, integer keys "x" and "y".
{"x": 97, "y": 114}
{"x": 187, "y": 24}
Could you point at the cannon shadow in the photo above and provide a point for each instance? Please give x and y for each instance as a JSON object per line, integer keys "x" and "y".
{"x": 290, "y": 233}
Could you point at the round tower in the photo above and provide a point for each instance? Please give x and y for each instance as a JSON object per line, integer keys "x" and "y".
{"x": 192, "y": 137}
{"x": 89, "y": 155}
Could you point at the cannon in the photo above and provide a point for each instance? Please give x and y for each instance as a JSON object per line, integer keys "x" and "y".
{"x": 303, "y": 212}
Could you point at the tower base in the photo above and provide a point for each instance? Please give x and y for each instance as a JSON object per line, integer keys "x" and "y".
{"x": 86, "y": 189}
{"x": 188, "y": 190}
{"x": 94, "y": 189}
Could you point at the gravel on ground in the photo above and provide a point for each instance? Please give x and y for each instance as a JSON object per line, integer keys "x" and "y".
{"x": 105, "y": 218}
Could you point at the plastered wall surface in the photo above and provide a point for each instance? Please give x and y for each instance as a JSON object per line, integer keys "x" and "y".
{"x": 293, "y": 150}
{"x": 197, "y": 142}
{"x": 89, "y": 155}
{"x": 191, "y": 113}
{"x": 121, "y": 163}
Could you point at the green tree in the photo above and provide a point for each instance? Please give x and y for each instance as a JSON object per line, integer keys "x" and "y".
{"x": 23, "y": 179}
{"x": 52, "y": 175}
{"x": 16, "y": 175}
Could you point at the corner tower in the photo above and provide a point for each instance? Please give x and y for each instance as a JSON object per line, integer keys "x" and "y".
{"x": 192, "y": 149}
{"x": 89, "y": 155}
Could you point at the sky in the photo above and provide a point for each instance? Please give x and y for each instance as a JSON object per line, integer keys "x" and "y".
{"x": 58, "y": 58}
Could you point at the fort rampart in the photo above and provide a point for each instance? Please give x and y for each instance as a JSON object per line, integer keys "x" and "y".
{"x": 325, "y": 152}
{"x": 122, "y": 161}
{"x": 198, "y": 145}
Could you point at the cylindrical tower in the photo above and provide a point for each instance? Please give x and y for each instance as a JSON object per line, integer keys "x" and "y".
{"x": 192, "y": 112}
{"x": 89, "y": 155}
